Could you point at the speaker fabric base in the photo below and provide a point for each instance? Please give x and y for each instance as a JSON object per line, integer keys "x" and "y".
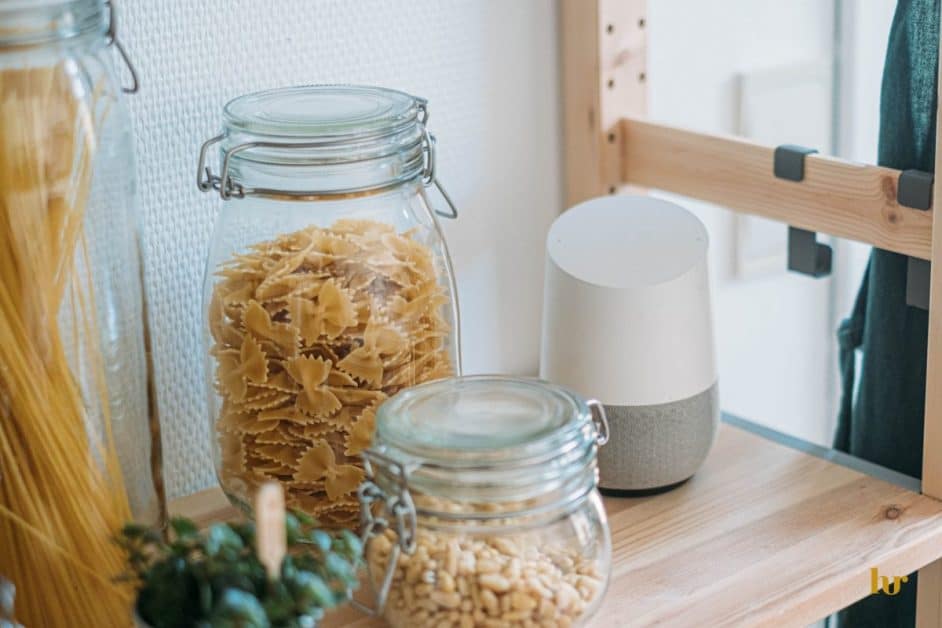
{"x": 657, "y": 447}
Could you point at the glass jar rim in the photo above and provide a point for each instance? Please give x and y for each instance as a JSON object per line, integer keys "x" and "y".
{"x": 316, "y": 125}
{"x": 37, "y": 22}
{"x": 448, "y": 439}
{"x": 481, "y": 419}
{"x": 338, "y": 112}
{"x": 374, "y": 137}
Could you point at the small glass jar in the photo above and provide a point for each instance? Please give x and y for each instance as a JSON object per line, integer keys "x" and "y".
{"x": 481, "y": 506}
{"x": 328, "y": 286}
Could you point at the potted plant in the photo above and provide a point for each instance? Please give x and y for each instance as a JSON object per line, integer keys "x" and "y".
{"x": 279, "y": 572}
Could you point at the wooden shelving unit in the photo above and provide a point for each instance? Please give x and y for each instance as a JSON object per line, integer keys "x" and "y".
{"x": 770, "y": 532}
{"x": 610, "y": 145}
{"x": 765, "y": 534}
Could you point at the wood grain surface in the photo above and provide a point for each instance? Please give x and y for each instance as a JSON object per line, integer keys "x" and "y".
{"x": 604, "y": 65}
{"x": 764, "y": 535}
{"x": 844, "y": 199}
{"x": 929, "y": 598}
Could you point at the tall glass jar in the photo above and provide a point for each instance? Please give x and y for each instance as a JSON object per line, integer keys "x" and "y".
{"x": 328, "y": 286}
{"x": 481, "y": 507}
{"x": 75, "y": 428}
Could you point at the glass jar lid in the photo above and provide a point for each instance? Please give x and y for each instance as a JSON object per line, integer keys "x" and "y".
{"x": 320, "y": 141}
{"x": 461, "y": 421}
{"x": 490, "y": 439}
{"x": 29, "y": 23}
{"x": 33, "y": 22}
{"x": 346, "y": 113}
{"x": 324, "y": 125}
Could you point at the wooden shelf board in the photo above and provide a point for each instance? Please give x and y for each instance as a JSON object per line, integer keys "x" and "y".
{"x": 841, "y": 198}
{"x": 763, "y": 535}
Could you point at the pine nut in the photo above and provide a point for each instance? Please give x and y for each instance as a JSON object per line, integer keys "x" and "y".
{"x": 494, "y": 582}
{"x": 460, "y": 581}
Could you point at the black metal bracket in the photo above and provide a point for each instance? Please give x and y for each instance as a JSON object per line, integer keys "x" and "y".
{"x": 914, "y": 189}
{"x": 805, "y": 254}
{"x": 917, "y": 282}
{"x": 790, "y": 161}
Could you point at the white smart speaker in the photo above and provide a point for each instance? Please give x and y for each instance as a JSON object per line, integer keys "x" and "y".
{"x": 627, "y": 320}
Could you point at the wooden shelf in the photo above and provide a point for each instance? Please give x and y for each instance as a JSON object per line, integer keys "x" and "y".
{"x": 844, "y": 199}
{"x": 765, "y": 535}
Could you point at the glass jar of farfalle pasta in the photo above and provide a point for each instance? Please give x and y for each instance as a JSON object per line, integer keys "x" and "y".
{"x": 481, "y": 507}
{"x": 328, "y": 287}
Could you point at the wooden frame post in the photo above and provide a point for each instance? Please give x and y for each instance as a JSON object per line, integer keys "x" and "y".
{"x": 929, "y": 593}
{"x": 604, "y": 79}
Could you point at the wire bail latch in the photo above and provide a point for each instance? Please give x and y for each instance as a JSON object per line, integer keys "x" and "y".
{"x": 401, "y": 508}
{"x": 600, "y": 420}
{"x": 206, "y": 180}
{"x": 112, "y": 38}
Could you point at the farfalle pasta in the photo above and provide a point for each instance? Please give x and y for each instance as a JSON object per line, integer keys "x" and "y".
{"x": 311, "y": 332}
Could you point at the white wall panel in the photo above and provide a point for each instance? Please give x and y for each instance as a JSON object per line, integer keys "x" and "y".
{"x": 489, "y": 70}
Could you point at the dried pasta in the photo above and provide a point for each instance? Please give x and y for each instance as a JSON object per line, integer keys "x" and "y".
{"x": 62, "y": 497}
{"x": 311, "y": 332}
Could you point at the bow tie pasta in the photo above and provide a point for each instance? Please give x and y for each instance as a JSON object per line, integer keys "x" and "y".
{"x": 311, "y": 332}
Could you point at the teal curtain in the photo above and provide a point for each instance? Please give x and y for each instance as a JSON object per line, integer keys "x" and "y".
{"x": 883, "y": 423}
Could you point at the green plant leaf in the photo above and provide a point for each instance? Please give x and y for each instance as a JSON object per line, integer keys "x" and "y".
{"x": 349, "y": 544}
{"x": 213, "y": 578}
{"x": 305, "y": 519}
{"x": 292, "y": 529}
{"x": 183, "y": 529}
{"x": 310, "y": 591}
{"x": 238, "y": 609}
{"x": 321, "y": 540}
{"x": 222, "y": 538}
{"x": 338, "y": 567}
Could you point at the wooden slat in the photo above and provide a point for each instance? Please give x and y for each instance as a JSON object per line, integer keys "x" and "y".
{"x": 582, "y": 128}
{"x": 932, "y": 442}
{"x": 204, "y": 507}
{"x": 847, "y": 200}
{"x": 604, "y": 78}
{"x": 929, "y": 597}
{"x": 764, "y": 535}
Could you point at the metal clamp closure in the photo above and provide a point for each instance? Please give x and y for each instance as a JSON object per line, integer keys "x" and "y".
{"x": 428, "y": 152}
{"x": 211, "y": 182}
{"x": 404, "y": 521}
{"x": 600, "y": 420}
{"x": 206, "y": 180}
{"x": 422, "y": 106}
{"x": 112, "y": 39}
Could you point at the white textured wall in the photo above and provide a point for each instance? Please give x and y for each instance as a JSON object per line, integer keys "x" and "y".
{"x": 775, "y": 333}
{"x": 489, "y": 70}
